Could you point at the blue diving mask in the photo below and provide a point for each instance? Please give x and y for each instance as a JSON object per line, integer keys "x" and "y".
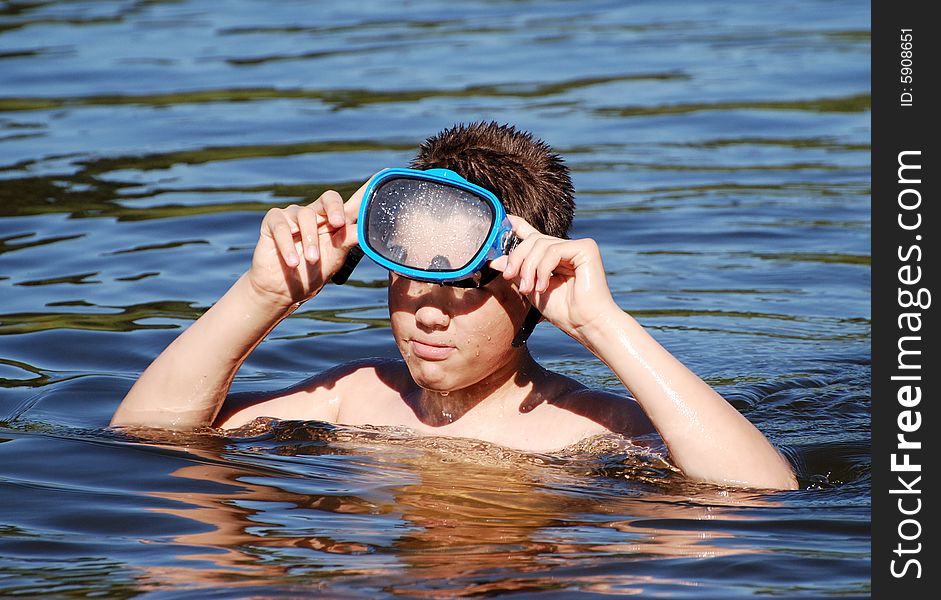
{"x": 432, "y": 226}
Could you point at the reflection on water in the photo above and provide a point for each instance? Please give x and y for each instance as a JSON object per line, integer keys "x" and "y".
{"x": 271, "y": 518}
{"x": 721, "y": 160}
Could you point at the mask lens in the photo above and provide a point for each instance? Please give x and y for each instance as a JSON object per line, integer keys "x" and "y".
{"x": 427, "y": 225}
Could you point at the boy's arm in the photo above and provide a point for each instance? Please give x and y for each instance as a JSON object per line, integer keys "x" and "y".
{"x": 706, "y": 436}
{"x": 185, "y": 386}
{"x": 299, "y": 249}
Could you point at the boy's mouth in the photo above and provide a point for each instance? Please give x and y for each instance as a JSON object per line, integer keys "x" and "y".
{"x": 430, "y": 350}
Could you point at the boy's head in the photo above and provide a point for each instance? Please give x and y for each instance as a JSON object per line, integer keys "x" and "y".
{"x": 529, "y": 179}
{"x": 452, "y": 338}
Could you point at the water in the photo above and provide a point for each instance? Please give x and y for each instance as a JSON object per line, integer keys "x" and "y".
{"x": 721, "y": 157}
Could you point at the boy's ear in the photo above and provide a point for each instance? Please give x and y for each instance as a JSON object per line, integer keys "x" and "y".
{"x": 529, "y": 324}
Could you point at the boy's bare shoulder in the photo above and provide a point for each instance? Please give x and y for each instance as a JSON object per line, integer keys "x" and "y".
{"x": 318, "y": 397}
{"x": 360, "y": 370}
{"x": 369, "y": 377}
{"x": 617, "y": 413}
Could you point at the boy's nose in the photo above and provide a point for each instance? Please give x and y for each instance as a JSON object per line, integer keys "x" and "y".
{"x": 431, "y": 316}
{"x": 431, "y": 313}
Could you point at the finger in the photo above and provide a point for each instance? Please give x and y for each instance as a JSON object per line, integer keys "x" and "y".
{"x": 500, "y": 263}
{"x": 307, "y": 222}
{"x": 527, "y": 234}
{"x": 520, "y": 254}
{"x": 547, "y": 266}
{"x": 529, "y": 270}
{"x": 521, "y": 227}
{"x": 341, "y": 241}
{"x": 330, "y": 206}
{"x": 352, "y": 205}
{"x": 350, "y": 235}
{"x": 279, "y": 229}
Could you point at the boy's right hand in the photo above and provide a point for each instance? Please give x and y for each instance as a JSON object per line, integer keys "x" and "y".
{"x": 301, "y": 247}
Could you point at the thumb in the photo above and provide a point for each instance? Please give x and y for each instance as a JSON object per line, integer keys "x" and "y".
{"x": 499, "y": 263}
{"x": 351, "y": 206}
{"x": 521, "y": 227}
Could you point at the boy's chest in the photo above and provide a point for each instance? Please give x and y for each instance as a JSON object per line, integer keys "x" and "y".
{"x": 543, "y": 429}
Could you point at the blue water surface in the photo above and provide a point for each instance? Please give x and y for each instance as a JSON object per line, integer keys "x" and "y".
{"x": 720, "y": 152}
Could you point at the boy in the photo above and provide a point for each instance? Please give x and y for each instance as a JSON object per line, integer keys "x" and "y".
{"x": 466, "y": 371}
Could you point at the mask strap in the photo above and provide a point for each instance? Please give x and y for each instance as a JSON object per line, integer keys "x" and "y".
{"x": 352, "y": 259}
{"x": 529, "y": 324}
{"x": 477, "y": 280}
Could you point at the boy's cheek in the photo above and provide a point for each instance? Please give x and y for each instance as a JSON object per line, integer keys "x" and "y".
{"x": 509, "y": 297}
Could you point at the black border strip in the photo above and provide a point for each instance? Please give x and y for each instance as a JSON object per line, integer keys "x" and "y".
{"x": 903, "y": 264}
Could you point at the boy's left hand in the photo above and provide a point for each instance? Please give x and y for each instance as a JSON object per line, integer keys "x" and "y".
{"x": 564, "y": 279}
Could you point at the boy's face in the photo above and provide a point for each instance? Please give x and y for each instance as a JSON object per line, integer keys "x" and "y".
{"x": 450, "y": 337}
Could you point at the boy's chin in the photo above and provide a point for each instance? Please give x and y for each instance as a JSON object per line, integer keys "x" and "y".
{"x": 445, "y": 376}
{"x": 432, "y": 379}
{"x": 437, "y": 381}
{"x": 436, "y": 390}
{"x": 433, "y": 384}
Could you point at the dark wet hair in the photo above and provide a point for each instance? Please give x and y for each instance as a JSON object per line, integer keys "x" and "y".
{"x": 525, "y": 174}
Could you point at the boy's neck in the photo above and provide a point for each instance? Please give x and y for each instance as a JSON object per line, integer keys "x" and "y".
{"x": 514, "y": 382}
